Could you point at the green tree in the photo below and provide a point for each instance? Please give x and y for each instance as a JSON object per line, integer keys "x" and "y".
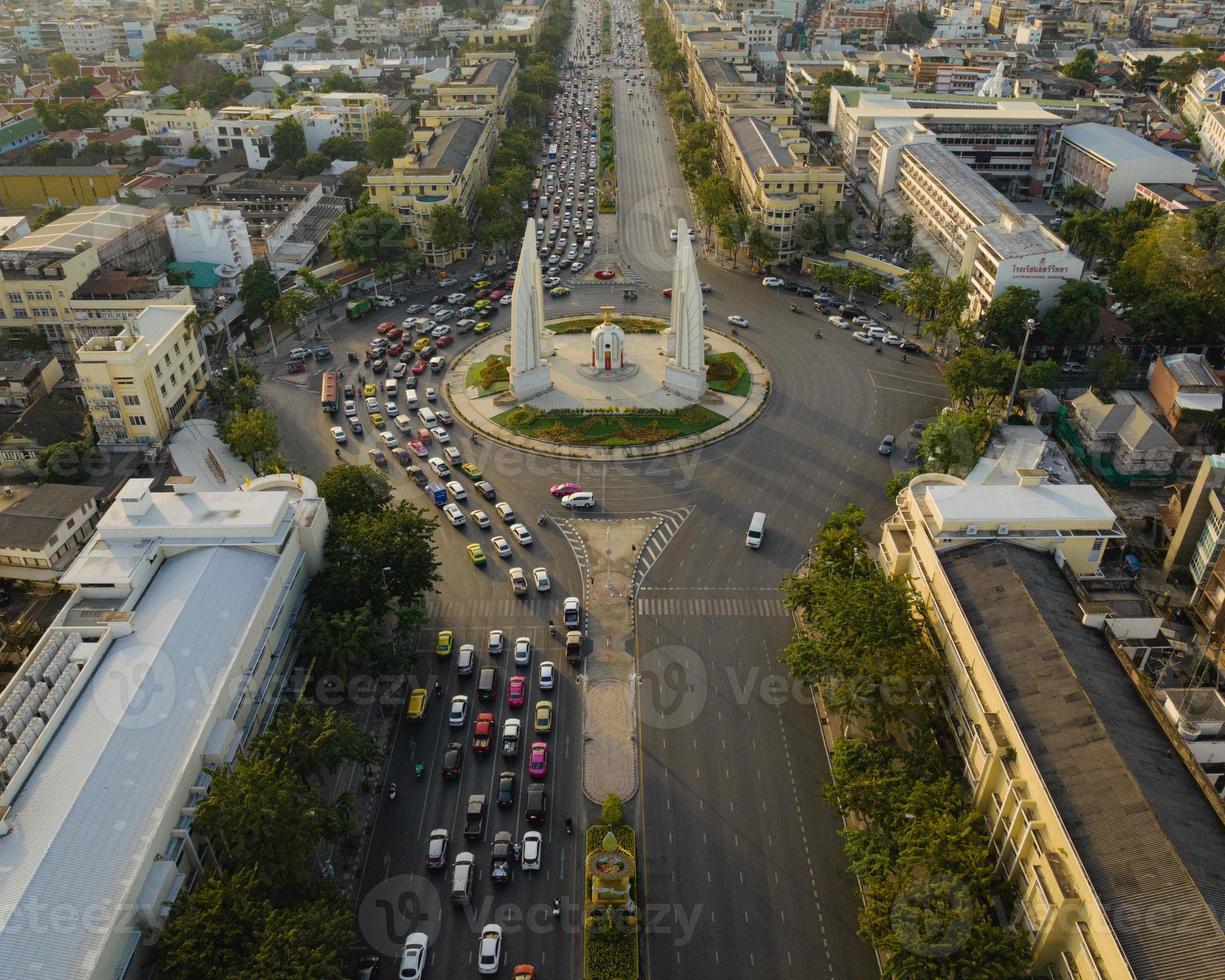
{"x": 1072, "y": 320}
{"x": 258, "y": 290}
{"x": 162, "y": 56}
{"x": 1077, "y": 196}
{"x": 50, "y": 153}
{"x": 340, "y": 148}
{"x": 209, "y": 934}
{"x": 311, "y": 164}
{"x": 385, "y": 145}
{"x": 951, "y": 308}
{"x": 1003, "y": 322}
{"x": 288, "y": 142}
{"x": 921, "y": 291}
{"x": 63, "y": 66}
{"x": 900, "y": 481}
{"x": 1083, "y": 66}
{"x": 712, "y": 196}
{"x": 200, "y": 152}
{"x": 953, "y": 443}
{"x": 326, "y": 45}
{"x": 1145, "y": 72}
{"x": 234, "y": 393}
{"x": 345, "y": 640}
{"x": 292, "y": 307}
{"x": 354, "y": 490}
{"x": 810, "y": 236}
{"x": 826, "y": 81}
{"x": 1088, "y": 233}
{"x": 1110, "y": 369}
{"x": 448, "y": 228}
{"x": 149, "y": 149}
{"x": 52, "y": 213}
{"x": 732, "y": 226}
{"x": 311, "y": 741}
{"x": 68, "y": 462}
{"x": 763, "y": 248}
{"x": 313, "y": 939}
{"x": 901, "y": 234}
{"x": 977, "y": 376}
{"x": 367, "y": 235}
{"x": 251, "y": 434}
{"x": 610, "y": 810}
{"x": 76, "y": 88}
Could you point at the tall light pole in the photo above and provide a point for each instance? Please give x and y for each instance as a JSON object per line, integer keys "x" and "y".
{"x": 1030, "y": 326}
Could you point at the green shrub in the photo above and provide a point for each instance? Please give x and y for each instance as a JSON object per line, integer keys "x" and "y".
{"x": 610, "y": 812}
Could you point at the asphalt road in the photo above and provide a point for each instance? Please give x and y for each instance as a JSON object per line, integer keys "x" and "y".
{"x": 741, "y": 868}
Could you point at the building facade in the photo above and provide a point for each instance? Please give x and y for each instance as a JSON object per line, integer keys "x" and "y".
{"x": 355, "y": 110}
{"x": 250, "y": 129}
{"x": 1110, "y": 161}
{"x": 42, "y": 528}
{"x": 31, "y": 188}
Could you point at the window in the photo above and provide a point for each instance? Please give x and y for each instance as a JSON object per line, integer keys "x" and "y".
{"x": 157, "y": 369}
{"x": 136, "y": 420}
{"x": 132, "y": 400}
{"x": 163, "y": 389}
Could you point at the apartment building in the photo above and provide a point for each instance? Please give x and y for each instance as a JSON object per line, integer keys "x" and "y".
{"x": 171, "y": 653}
{"x": 776, "y": 183}
{"x": 215, "y": 235}
{"x": 42, "y": 528}
{"x": 1204, "y": 93}
{"x": 176, "y": 131}
{"x": 445, "y": 166}
{"x": 250, "y": 128}
{"x": 145, "y": 378}
{"x": 355, "y": 110}
{"x": 1111, "y": 161}
{"x": 33, "y": 188}
{"x": 287, "y": 220}
{"x": 986, "y": 238}
{"x": 1063, "y": 756}
{"x": 864, "y": 23}
{"x": 514, "y": 27}
{"x": 1011, "y": 141}
{"x": 23, "y": 382}
{"x": 721, "y": 82}
{"x": 1212, "y": 137}
{"x": 42, "y": 273}
{"x": 484, "y": 80}
{"x": 86, "y": 38}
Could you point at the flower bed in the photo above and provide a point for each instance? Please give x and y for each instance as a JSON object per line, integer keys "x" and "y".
{"x": 610, "y": 945}
{"x": 489, "y": 376}
{"x": 585, "y": 324}
{"x": 609, "y": 427}
{"x": 728, "y": 373}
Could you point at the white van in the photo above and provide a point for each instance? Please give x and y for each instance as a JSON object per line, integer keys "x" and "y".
{"x": 404, "y": 423}
{"x": 410, "y": 400}
{"x": 452, "y": 455}
{"x": 427, "y": 417}
{"x": 757, "y": 530}
{"x": 391, "y": 387}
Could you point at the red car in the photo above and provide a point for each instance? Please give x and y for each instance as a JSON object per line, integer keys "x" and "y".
{"x": 419, "y": 367}
{"x": 417, "y": 447}
{"x": 446, "y": 341}
{"x": 395, "y": 350}
{"x": 395, "y": 333}
{"x": 668, "y": 292}
{"x": 426, "y": 436}
{"x": 482, "y": 294}
{"x": 496, "y": 295}
{"x": 561, "y": 489}
{"x": 516, "y": 692}
{"x": 385, "y": 328}
{"x": 483, "y": 733}
{"x": 538, "y": 761}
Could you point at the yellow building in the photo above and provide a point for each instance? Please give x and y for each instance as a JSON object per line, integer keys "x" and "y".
{"x": 776, "y": 185}
{"x": 514, "y": 27}
{"x": 145, "y": 378}
{"x": 490, "y": 84}
{"x": 178, "y": 129}
{"x": 35, "y": 188}
{"x": 1114, "y": 846}
{"x": 719, "y": 82}
{"x": 355, "y": 110}
{"x": 445, "y": 166}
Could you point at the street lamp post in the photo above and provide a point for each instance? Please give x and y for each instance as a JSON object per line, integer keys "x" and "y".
{"x": 1030, "y": 325}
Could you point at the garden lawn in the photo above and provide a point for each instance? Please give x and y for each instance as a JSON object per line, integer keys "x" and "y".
{"x": 576, "y": 428}
{"x": 728, "y": 373}
{"x": 585, "y": 324}
{"x": 489, "y": 376}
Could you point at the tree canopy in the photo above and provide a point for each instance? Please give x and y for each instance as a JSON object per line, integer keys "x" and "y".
{"x": 368, "y": 234}
{"x": 258, "y": 290}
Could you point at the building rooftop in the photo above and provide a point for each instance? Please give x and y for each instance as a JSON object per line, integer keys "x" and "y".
{"x": 95, "y": 225}
{"x": 1149, "y": 841}
{"x": 1191, "y": 370}
{"x": 717, "y": 71}
{"x": 760, "y": 145}
{"x": 496, "y": 73}
{"x": 978, "y": 197}
{"x": 48, "y": 420}
{"x": 452, "y": 146}
{"x": 1071, "y": 506}
{"x": 1113, "y": 144}
{"x": 29, "y": 522}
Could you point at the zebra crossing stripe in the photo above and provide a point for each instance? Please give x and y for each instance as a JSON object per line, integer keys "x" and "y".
{"x": 711, "y": 607}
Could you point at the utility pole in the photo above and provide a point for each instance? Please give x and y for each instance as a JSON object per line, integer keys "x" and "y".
{"x": 1030, "y": 325}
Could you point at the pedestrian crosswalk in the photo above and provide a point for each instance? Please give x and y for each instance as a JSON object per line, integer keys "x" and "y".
{"x": 650, "y": 605}
{"x": 670, "y": 522}
{"x": 445, "y": 611}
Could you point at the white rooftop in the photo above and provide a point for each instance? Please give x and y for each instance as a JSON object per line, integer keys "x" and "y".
{"x": 198, "y": 452}
{"x": 84, "y": 817}
{"x": 1073, "y": 507}
{"x": 1114, "y": 144}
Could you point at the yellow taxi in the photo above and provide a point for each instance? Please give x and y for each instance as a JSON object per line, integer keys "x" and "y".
{"x": 421, "y": 343}
{"x": 371, "y": 391}
{"x": 376, "y": 420}
{"x": 446, "y": 640}
{"x": 417, "y": 702}
{"x": 543, "y": 722}
{"x": 483, "y": 326}
{"x": 476, "y": 554}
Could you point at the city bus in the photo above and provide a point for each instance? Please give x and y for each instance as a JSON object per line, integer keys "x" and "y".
{"x": 552, "y": 151}
{"x": 328, "y": 392}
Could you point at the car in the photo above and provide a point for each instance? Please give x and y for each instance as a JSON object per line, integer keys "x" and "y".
{"x": 457, "y": 299}
{"x": 465, "y": 659}
{"x": 377, "y": 457}
{"x": 583, "y": 499}
{"x": 458, "y": 715}
{"x": 413, "y": 956}
{"x": 389, "y": 439}
{"x": 496, "y": 643}
{"x": 445, "y": 643}
{"x": 505, "y": 511}
{"x": 489, "y": 950}
{"x": 476, "y": 554}
{"x": 372, "y": 403}
{"x": 886, "y": 445}
{"x": 550, "y": 281}
{"x": 547, "y": 675}
{"x": 444, "y": 417}
{"x": 421, "y": 343}
{"x": 906, "y": 347}
{"x": 431, "y": 394}
{"x": 480, "y": 519}
{"x": 1072, "y": 367}
{"x": 516, "y": 691}
{"x": 483, "y": 326}
{"x": 449, "y": 281}
{"x": 470, "y": 470}
{"x": 402, "y": 457}
{"x": 559, "y": 291}
{"x": 561, "y": 489}
{"x": 772, "y": 282}
{"x": 440, "y": 468}
{"x": 418, "y": 700}
{"x": 912, "y": 453}
{"x": 506, "y": 794}
{"x": 392, "y": 409}
{"x": 454, "y": 515}
{"x": 369, "y": 392}
{"x": 538, "y": 758}
{"x": 523, "y": 651}
{"x": 522, "y": 534}
{"x": 529, "y": 860}
{"x": 511, "y": 732}
{"x": 892, "y": 339}
{"x": 864, "y": 338}
{"x": 542, "y": 721}
{"x": 452, "y": 760}
{"x": 413, "y": 310}
{"x": 737, "y": 321}
{"x": 840, "y": 322}
{"x": 339, "y": 434}
{"x": 571, "y": 611}
{"x": 376, "y": 420}
{"x": 418, "y": 368}
{"x": 518, "y": 581}
{"x": 350, "y": 409}
{"x": 500, "y": 546}
{"x": 417, "y": 447}
{"x": 483, "y": 731}
{"x": 399, "y": 370}
{"x": 456, "y": 490}
{"x": 436, "y": 848}
{"x": 806, "y": 291}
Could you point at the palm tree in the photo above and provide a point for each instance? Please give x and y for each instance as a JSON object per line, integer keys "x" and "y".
{"x": 1088, "y": 233}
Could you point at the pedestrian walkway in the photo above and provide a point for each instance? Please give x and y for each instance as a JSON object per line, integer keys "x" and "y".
{"x": 670, "y": 522}
{"x": 709, "y": 607}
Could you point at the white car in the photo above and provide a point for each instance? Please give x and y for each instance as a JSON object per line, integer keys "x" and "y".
{"x": 372, "y": 404}
{"x": 892, "y": 339}
{"x": 863, "y": 338}
{"x": 505, "y": 300}
{"x": 500, "y": 545}
{"x": 522, "y": 534}
{"x": 413, "y": 956}
{"x": 571, "y": 612}
{"x": 541, "y": 576}
{"x": 772, "y": 281}
{"x": 529, "y": 853}
{"x": 440, "y": 468}
{"x": 456, "y": 490}
{"x": 737, "y": 321}
{"x": 841, "y": 322}
{"x": 350, "y": 409}
{"x": 440, "y": 331}
{"x": 523, "y": 651}
{"x": 454, "y": 515}
{"x": 459, "y": 711}
{"x": 548, "y": 675}
{"x": 497, "y": 643}
{"x": 431, "y": 395}
{"x": 505, "y": 511}
{"x": 389, "y": 439}
{"x": 551, "y": 281}
{"x": 392, "y": 409}
{"x": 489, "y": 950}
{"x": 480, "y": 519}
{"x": 441, "y": 435}
{"x": 457, "y": 299}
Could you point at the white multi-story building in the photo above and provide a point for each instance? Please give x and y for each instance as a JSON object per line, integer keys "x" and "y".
{"x": 1111, "y": 161}
{"x": 250, "y": 128}
{"x": 958, "y": 23}
{"x": 209, "y": 234}
{"x": 355, "y": 110}
{"x": 176, "y": 131}
{"x": 987, "y": 239}
{"x": 235, "y": 25}
{"x": 1205, "y": 92}
{"x": 86, "y": 38}
{"x": 1212, "y": 137}
{"x": 171, "y": 652}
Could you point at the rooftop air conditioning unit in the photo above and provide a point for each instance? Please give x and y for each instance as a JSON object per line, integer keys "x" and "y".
{"x": 1002, "y": 531}
{"x": 971, "y": 530}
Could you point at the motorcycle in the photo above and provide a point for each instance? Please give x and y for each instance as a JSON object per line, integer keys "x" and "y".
{"x": 419, "y": 769}
{"x": 391, "y": 791}
{"x": 552, "y": 628}
{"x": 352, "y": 358}
{"x": 542, "y": 520}
{"x": 819, "y": 335}
{"x": 569, "y": 826}
{"x": 794, "y": 308}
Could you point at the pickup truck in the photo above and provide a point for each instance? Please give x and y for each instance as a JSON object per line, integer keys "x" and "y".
{"x": 482, "y": 733}
{"x": 437, "y": 493}
{"x": 474, "y": 816}
{"x": 574, "y": 646}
